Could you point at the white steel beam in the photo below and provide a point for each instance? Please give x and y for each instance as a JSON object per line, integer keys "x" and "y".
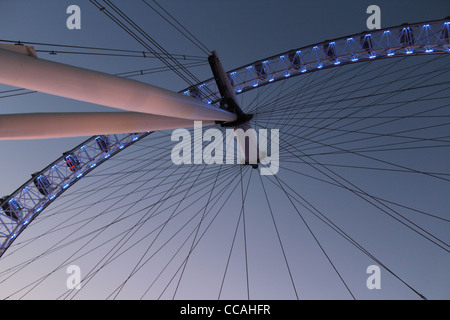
{"x": 59, "y": 125}
{"x": 25, "y": 70}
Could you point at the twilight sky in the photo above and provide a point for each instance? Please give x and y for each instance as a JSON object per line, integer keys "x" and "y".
{"x": 240, "y": 32}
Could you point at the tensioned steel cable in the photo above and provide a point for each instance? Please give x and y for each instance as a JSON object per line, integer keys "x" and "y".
{"x": 170, "y": 62}
{"x": 142, "y": 41}
{"x": 186, "y": 33}
{"x": 101, "y": 50}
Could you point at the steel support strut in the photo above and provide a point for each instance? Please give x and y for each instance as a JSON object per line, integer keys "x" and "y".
{"x": 21, "y": 68}
{"x": 245, "y": 135}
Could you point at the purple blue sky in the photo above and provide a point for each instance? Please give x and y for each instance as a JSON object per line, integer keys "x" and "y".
{"x": 240, "y": 32}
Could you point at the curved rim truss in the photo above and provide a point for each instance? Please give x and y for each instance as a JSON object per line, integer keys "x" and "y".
{"x": 408, "y": 39}
{"x": 27, "y": 202}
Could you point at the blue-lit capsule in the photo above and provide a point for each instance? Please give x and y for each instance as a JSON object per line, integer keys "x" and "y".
{"x": 11, "y": 208}
{"x": 330, "y": 51}
{"x": 43, "y": 185}
{"x": 72, "y": 162}
{"x": 406, "y": 37}
{"x": 103, "y": 143}
{"x": 366, "y": 42}
{"x": 444, "y": 33}
{"x": 261, "y": 70}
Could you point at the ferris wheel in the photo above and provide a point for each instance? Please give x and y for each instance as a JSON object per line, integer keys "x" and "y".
{"x": 363, "y": 153}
